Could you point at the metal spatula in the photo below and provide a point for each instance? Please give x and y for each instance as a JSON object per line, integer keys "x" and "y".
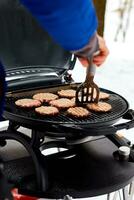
{"x": 88, "y": 91}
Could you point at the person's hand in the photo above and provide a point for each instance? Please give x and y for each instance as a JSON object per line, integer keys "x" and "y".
{"x": 103, "y": 52}
{"x": 100, "y": 58}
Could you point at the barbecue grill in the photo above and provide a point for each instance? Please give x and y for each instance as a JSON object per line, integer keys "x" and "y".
{"x": 63, "y": 123}
{"x": 34, "y": 63}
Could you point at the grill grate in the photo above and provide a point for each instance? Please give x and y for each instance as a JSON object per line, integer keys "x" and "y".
{"x": 118, "y": 103}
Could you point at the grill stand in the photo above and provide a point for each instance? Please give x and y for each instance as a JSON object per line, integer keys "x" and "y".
{"x": 33, "y": 144}
{"x": 29, "y": 145}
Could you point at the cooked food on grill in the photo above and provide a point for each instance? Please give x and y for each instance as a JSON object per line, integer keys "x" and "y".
{"x": 78, "y": 112}
{"x": 104, "y": 95}
{"x": 62, "y": 103}
{"x": 47, "y": 110}
{"x": 73, "y": 100}
{"x": 70, "y": 93}
{"x": 45, "y": 97}
{"x": 99, "y": 107}
{"x": 28, "y": 103}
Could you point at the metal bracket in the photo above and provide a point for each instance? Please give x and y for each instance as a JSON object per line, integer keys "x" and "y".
{"x": 67, "y": 197}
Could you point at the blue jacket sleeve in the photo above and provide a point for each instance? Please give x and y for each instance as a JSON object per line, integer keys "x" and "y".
{"x": 2, "y": 89}
{"x": 71, "y": 23}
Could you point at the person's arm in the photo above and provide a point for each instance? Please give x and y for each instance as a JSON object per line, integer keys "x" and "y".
{"x": 71, "y": 23}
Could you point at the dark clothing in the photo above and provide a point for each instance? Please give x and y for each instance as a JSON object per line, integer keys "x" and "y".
{"x": 2, "y": 88}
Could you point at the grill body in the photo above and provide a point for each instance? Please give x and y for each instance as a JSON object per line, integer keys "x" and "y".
{"x": 30, "y": 119}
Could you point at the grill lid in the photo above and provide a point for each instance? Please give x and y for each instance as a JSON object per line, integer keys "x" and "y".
{"x": 26, "y": 48}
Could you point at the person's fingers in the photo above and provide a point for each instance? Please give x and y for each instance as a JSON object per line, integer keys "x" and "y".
{"x": 102, "y": 46}
{"x": 99, "y": 60}
{"x": 84, "y": 61}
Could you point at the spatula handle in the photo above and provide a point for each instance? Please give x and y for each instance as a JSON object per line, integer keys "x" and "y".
{"x": 91, "y": 69}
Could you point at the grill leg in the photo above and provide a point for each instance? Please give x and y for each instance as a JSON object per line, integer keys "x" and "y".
{"x": 128, "y": 193}
{"x": 131, "y": 189}
{"x": 108, "y": 196}
{"x": 120, "y": 197}
{"x": 116, "y": 194}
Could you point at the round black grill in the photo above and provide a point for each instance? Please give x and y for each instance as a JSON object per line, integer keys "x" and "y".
{"x": 118, "y": 103}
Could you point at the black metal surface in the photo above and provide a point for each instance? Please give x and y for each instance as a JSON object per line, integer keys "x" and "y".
{"x": 32, "y": 76}
{"x": 5, "y": 187}
{"x": 30, "y": 118}
{"x": 24, "y": 42}
{"x": 41, "y": 175}
{"x": 91, "y": 172}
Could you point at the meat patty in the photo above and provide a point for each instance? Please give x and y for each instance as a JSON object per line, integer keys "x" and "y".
{"x": 78, "y": 112}
{"x": 47, "y": 110}
{"x": 70, "y": 93}
{"x": 104, "y": 95}
{"x": 99, "y": 107}
{"x": 45, "y": 97}
{"x": 28, "y": 103}
{"x": 62, "y": 103}
{"x": 73, "y": 100}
